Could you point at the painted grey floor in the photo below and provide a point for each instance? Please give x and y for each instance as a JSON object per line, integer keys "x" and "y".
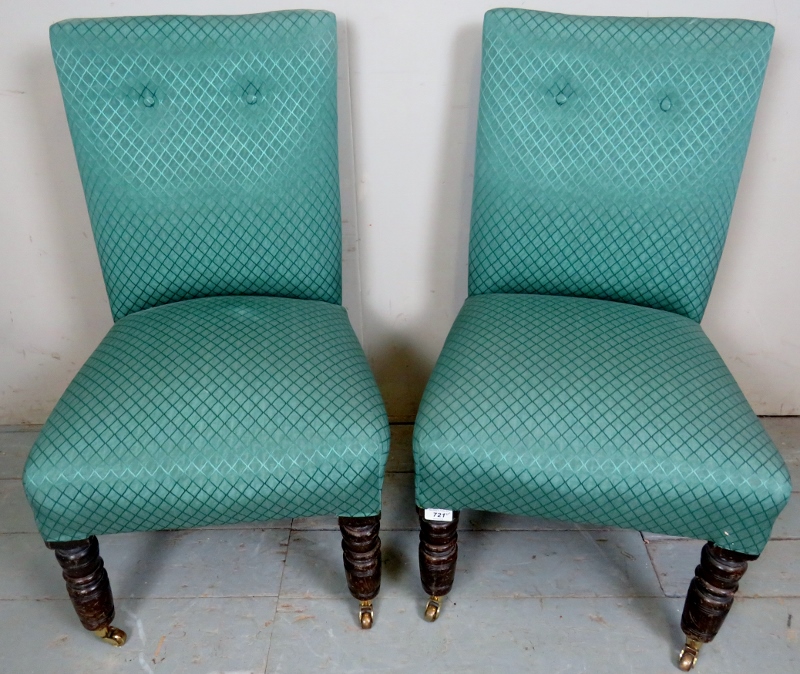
{"x": 530, "y": 595}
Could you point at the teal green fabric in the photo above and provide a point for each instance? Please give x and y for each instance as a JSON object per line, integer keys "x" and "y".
{"x": 599, "y": 412}
{"x": 207, "y": 146}
{"x": 213, "y": 411}
{"x": 576, "y": 383}
{"x": 609, "y": 151}
{"x": 231, "y": 387}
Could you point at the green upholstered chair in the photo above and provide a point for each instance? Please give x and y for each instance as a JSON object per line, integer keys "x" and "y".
{"x": 231, "y": 387}
{"x": 576, "y": 383}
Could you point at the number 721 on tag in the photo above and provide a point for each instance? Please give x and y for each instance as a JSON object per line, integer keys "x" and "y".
{"x": 438, "y": 515}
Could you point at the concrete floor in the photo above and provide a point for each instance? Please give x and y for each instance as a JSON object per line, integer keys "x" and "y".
{"x": 529, "y": 595}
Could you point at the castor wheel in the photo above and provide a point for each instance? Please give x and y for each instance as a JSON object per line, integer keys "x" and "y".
{"x": 433, "y": 608}
{"x": 365, "y": 615}
{"x": 112, "y": 635}
{"x": 689, "y": 654}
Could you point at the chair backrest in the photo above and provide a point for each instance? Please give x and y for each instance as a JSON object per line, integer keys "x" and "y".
{"x": 609, "y": 152}
{"x": 208, "y": 151}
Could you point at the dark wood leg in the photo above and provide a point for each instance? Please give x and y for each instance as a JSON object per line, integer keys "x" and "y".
{"x": 362, "y": 561}
{"x": 88, "y": 587}
{"x": 709, "y": 599}
{"x": 438, "y": 552}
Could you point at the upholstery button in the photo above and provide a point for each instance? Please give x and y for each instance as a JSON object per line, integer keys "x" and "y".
{"x": 561, "y": 98}
{"x": 251, "y": 98}
{"x": 148, "y": 100}
{"x": 666, "y": 104}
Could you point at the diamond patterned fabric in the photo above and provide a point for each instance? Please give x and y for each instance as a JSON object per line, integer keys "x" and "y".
{"x": 609, "y": 152}
{"x": 598, "y": 412}
{"x": 213, "y": 411}
{"x": 207, "y": 146}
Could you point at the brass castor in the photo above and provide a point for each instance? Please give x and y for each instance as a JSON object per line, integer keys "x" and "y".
{"x": 112, "y": 635}
{"x": 689, "y": 654}
{"x": 433, "y": 608}
{"x": 365, "y": 614}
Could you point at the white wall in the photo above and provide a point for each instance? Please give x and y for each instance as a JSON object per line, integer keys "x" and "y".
{"x": 408, "y": 96}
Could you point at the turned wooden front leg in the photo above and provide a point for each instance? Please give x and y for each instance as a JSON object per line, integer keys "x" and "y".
{"x": 361, "y": 548}
{"x": 438, "y": 552}
{"x": 88, "y": 586}
{"x": 710, "y": 597}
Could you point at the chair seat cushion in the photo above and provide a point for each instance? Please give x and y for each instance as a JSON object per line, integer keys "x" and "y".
{"x": 213, "y": 411}
{"x": 596, "y": 412}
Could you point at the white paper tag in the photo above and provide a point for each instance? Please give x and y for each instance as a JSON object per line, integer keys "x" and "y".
{"x": 438, "y": 515}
